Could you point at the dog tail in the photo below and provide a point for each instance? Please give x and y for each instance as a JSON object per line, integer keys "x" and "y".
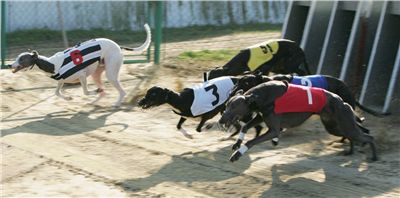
{"x": 145, "y": 45}
{"x": 370, "y": 111}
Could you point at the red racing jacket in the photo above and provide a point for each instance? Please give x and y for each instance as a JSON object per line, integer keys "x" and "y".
{"x": 300, "y": 99}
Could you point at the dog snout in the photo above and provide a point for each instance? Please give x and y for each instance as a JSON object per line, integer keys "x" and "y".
{"x": 142, "y": 102}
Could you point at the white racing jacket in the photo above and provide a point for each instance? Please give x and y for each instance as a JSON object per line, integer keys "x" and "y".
{"x": 210, "y": 94}
{"x": 78, "y": 58}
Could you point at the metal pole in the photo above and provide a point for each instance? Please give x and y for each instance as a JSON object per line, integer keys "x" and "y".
{"x": 327, "y": 36}
{"x": 392, "y": 82}
{"x": 349, "y": 48}
{"x": 373, "y": 52}
{"x": 61, "y": 21}
{"x": 158, "y": 31}
{"x": 3, "y": 35}
{"x": 150, "y": 22}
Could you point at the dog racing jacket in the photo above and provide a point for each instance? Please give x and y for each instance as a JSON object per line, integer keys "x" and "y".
{"x": 262, "y": 53}
{"x": 300, "y": 99}
{"x": 311, "y": 81}
{"x": 78, "y": 58}
{"x": 210, "y": 94}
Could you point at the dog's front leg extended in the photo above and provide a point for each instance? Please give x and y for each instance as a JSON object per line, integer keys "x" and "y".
{"x": 83, "y": 81}
{"x": 253, "y": 122}
{"x": 271, "y": 133}
{"x": 58, "y": 91}
{"x": 182, "y": 130}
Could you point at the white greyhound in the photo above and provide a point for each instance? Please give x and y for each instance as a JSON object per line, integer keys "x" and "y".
{"x": 77, "y": 63}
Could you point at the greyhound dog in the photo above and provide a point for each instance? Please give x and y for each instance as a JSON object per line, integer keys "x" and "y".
{"x": 204, "y": 100}
{"x": 75, "y": 64}
{"x": 326, "y": 82}
{"x": 285, "y": 105}
{"x": 279, "y": 56}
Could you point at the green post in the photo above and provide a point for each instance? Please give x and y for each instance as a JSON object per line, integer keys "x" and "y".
{"x": 3, "y": 35}
{"x": 158, "y": 31}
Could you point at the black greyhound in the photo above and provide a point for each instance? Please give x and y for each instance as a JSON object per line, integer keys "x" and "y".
{"x": 214, "y": 93}
{"x": 268, "y": 99}
{"x": 326, "y": 82}
{"x": 279, "y": 56}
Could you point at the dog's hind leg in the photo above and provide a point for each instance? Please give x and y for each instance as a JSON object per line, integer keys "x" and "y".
{"x": 96, "y": 76}
{"x": 112, "y": 67}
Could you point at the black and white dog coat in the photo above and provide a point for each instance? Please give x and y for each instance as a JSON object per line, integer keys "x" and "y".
{"x": 211, "y": 94}
{"x": 77, "y": 58}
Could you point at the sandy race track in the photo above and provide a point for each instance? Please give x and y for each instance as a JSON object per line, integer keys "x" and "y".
{"x": 54, "y": 148}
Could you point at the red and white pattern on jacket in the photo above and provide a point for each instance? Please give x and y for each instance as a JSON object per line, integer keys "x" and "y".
{"x": 300, "y": 99}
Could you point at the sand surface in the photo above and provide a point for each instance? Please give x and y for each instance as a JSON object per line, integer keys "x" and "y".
{"x": 56, "y": 148}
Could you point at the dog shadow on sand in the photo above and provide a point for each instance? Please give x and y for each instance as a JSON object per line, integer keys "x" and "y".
{"x": 350, "y": 176}
{"x": 64, "y": 123}
{"x": 203, "y": 169}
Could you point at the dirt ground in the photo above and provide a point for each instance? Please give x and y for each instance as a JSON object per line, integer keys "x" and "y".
{"x": 54, "y": 148}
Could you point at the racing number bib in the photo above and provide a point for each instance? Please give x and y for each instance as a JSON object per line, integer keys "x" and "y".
{"x": 209, "y": 95}
{"x": 262, "y": 53}
{"x": 301, "y": 99}
{"x": 78, "y": 58}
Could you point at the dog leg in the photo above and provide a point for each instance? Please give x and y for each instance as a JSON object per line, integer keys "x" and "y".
{"x": 243, "y": 148}
{"x": 122, "y": 93}
{"x": 253, "y": 122}
{"x": 181, "y": 121}
{"x": 112, "y": 67}
{"x": 83, "y": 81}
{"x": 58, "y": 91}
{"x": 183, "y": 131}
{"x": 96, "y": 76}
{"x": 351, "y": 150}
{"x": 202, "y": 121}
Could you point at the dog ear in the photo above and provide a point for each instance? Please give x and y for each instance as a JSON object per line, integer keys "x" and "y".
{"x": 35, "y": 54}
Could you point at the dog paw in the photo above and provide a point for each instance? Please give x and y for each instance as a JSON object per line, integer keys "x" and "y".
{"x": 185, "y": 133}
{"x": 235, "y": 156}
{"x": 275, "y": 141}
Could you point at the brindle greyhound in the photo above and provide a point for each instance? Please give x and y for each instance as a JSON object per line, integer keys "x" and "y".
{"x": 279, "y": 56}
{"x": 336, "y": 115}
